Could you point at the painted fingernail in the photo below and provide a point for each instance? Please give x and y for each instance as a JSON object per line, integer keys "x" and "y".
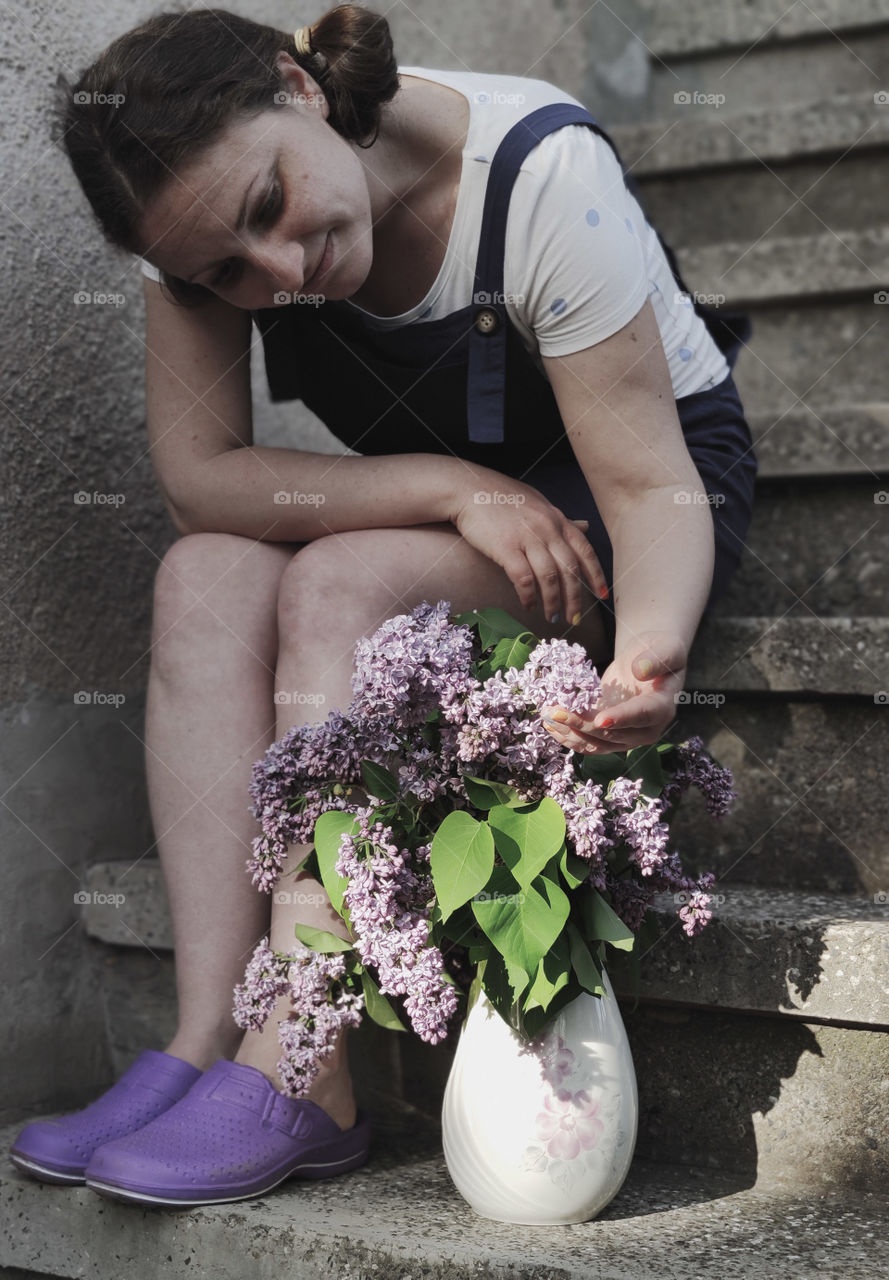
{"x": 554, "y": 619}
{"x": 605, "y": 724}
{"x": 575, "y": 619}
{"x": 560, "y": 715}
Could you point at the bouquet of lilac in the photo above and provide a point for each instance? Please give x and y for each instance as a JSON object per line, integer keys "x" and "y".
{"x": 483, "y": 842}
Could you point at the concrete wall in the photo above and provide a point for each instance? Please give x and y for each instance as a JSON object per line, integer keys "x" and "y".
{"x": 77, "y": 575}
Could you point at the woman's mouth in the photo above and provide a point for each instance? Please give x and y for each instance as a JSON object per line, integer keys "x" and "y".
{"x": 323, "y": 266}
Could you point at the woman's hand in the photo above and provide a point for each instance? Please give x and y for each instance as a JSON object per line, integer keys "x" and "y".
{"x": 541, "y": 550}
{"x": 637, "y": 700}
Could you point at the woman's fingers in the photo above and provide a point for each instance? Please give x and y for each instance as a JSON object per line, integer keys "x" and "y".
{"x": 589, "y": 561}
{"x": 548, "y": 576}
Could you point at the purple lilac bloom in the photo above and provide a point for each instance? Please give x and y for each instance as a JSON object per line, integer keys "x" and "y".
{"x": 402, "y": 670}
{"x": 388, "y": 903}
{"x": 421, "y": 663}
{"x": 320, "y": 1008}
{"x": 696, "y": 768}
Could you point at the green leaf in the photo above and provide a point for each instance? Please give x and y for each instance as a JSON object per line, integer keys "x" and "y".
{"x": 321, "y": 940}
{"x": 329, "y": 829}
{"x": 534, "y": 1022}
{"x": 575, "y": 870}
{"x": 552, "y": 975}
{"x": 461, "y": 859}
{"x": 484, "y": 793}
{"x": 603, "y": 768}
{"x": 604, "y": 924}
{"x": 493, "y": 624}
{"x": 503, "y": 982}
{"x": 378, "y": 781}
{"x": 511, "y": 651}
{"x": 522, "y": 923}
{"x": 645, "y": 763}
{"x": 588, "y": 973}
{"x": 378, "y": 1007}
{"x": 527, "y": 838}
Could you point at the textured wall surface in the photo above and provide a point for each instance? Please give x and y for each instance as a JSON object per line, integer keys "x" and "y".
{"x": 77, "y": 573}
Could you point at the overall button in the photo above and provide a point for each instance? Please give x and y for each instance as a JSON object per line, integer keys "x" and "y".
{"x": 487, "y": 320}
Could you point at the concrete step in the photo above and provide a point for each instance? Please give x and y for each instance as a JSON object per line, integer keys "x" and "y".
{"x": 796, "y": 654}
{"x": 817, "y": 958}
{"x": 700, "y": 26}
{"x": 767, "y": 1097}
{"x": 812, "y": 808}
{"x": 399, "y": 1218}
{"x": 760, "y": 941}
{"x": 815, "y": 547}
{"x": 824, "y": 441}
{"x": 805, "y": 198}
{"x": 693, "y": 142}
{"x": 780, "y": 268}
{"x": 811, "y": 355}
{"x": 766, "y": 74}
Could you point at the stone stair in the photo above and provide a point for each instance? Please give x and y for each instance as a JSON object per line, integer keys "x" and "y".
{"x": 761, "y": 1048}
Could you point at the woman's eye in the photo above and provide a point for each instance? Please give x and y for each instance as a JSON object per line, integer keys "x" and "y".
{"x": 269, "y": 210}
{"x": 231, "y": 267}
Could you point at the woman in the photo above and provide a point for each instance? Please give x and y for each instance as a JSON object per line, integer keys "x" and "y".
{"x": 452, "y": 272}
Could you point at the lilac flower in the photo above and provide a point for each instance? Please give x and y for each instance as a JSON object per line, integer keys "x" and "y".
{"x": 416, "y": 695}
{"x": 694, "y": 914}
{"x": 265, "y": 981}
{"x": 402, "y": 670}
{"x": 387, "y": 903}
{"x": 696, "y": 768}
{"x": 321, "y": 1007}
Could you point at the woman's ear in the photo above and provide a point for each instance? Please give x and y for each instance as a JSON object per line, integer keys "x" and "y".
{"x": 302, "y": 89}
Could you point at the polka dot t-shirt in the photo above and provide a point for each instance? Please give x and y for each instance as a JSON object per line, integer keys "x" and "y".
{"x": 580, "y": 257}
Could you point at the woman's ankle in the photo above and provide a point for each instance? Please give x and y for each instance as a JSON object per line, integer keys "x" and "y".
{"x": 202, "y": 1049}
{"x": 331, "y": 1090}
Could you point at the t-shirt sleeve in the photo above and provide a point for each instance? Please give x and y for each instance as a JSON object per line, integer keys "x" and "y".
{"x": 573, "y": 247}
{"x": 149, "y": 270}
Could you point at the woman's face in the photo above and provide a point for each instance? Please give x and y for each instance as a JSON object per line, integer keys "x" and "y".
{"x": 250, "y": 219}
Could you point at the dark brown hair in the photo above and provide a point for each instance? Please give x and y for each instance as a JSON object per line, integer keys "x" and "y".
{"x": 161, "y": 94}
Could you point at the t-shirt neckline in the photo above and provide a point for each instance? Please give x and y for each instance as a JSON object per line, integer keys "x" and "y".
{"x": 425, "y": 304}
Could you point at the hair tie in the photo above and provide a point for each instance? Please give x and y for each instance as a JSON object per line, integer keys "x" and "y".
{"x": 302, "y": 38}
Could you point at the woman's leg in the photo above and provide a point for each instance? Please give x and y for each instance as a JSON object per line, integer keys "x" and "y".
{"x": 209, "y": 715}
{"x": 335, "y": 590}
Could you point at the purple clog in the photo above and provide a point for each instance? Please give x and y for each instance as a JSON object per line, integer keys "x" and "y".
{"x": 59, "y": 1150}
{"x": 232, "y": 1136}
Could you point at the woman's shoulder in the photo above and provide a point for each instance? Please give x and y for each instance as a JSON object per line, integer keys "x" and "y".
{"x": 490, "y": 89}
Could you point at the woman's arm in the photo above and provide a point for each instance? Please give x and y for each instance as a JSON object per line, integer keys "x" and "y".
{"x": 616, "y": 401}
{"x": 212, "y": 476}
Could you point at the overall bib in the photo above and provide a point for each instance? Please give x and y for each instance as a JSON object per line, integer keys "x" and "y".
{"x": 466, "y": 384}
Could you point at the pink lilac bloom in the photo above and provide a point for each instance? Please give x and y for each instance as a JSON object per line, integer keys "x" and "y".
{"x": 320, "y": 1008}
{"x": 694, "y": 914}
{"x": 388, "y": 905}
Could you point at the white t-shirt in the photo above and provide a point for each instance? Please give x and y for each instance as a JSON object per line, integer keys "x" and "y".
{"x": 580, "y": 257}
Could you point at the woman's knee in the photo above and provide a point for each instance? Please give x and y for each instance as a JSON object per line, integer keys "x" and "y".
{"x": 332, "y": 583}
{"x": 216, "y": 583}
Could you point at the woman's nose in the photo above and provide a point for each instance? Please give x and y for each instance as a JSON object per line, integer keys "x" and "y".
{"x": 284, "y": 266}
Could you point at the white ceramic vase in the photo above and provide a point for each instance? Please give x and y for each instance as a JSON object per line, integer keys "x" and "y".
{"x": 545, "y": 1136}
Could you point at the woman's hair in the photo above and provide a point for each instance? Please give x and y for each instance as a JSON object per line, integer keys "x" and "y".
{"x": 162, "y": 94}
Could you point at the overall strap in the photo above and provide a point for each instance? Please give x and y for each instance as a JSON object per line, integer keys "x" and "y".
{"x": 487, "y": 337}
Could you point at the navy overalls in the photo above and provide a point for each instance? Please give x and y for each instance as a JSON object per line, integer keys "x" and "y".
{"x": 466, "y": 384}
